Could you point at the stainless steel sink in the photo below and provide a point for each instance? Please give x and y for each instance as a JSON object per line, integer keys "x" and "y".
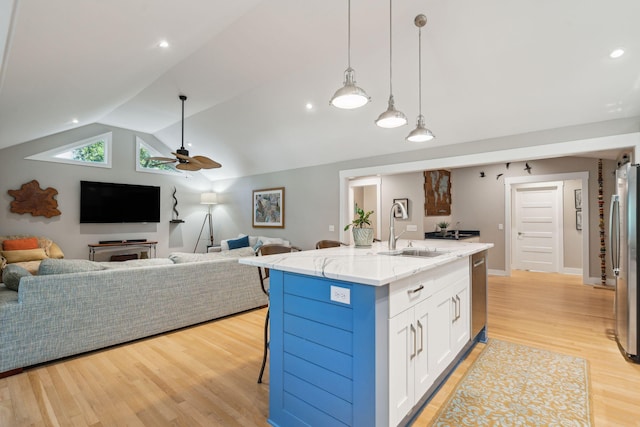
{"x": 418, "y": 252}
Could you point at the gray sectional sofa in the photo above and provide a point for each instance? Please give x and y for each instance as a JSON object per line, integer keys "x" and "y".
{"x": 61, "y": 313}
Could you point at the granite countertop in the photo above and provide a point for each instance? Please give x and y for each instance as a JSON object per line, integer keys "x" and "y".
{"x": 369, "y": 266}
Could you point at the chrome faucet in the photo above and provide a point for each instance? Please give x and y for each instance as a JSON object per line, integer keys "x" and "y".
{"x": 392, "y": 237}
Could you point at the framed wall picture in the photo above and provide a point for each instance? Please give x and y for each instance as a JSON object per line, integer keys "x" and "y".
{"x": 397, "y": 213}
{"x": 268, "y": 208}
{"x": 437, "y": 193}
{"x": 578, "y": 220}
{"x": 577, "y": 196}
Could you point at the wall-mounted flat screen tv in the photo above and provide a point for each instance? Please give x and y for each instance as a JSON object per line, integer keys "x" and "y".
{"x": 104, "y": 202}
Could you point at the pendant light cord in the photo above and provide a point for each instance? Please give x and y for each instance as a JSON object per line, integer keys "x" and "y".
{"x": 182, "y": 124}
{"x": 349, "y": 34}
{"x": 390, "y": 51}
{"x": 420, "y": 69}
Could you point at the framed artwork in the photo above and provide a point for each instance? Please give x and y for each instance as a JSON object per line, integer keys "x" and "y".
{"x": 397, "y": 213}
{"x": 578, "y": 220}
{"x": 437, "y": 193}
{"x": 577, "y": 196}
{"x": 268, "y": 208}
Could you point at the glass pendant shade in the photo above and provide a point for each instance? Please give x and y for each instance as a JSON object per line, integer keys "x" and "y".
{"x": 349, "y": 96}
{"x": 420, "y": 133}
{"x": 391, "y": 118}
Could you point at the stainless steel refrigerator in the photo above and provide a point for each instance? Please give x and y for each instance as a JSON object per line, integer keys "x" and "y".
{"x": 623, "y": 236}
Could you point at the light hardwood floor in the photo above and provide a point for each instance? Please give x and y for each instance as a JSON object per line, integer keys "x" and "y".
{"x": 206, "y": 375}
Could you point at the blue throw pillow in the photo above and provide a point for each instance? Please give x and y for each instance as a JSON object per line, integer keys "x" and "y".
{"x": 241, "y": 242}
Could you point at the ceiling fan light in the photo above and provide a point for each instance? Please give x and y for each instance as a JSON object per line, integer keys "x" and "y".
{"x": 349, "y": 96}
{"x": 391, "y": 118}
{"x": 420, "y": 133}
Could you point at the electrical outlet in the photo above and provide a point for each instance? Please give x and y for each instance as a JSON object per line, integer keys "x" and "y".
{"x": 412, "y": 227}
{"x": 340, "y": 294}
{"x": 500, "y": 226}
{"x": 331, "y": 228}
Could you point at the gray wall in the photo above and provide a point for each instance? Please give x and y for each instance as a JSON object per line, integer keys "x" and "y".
{"x": 66, "y": 229}
{"x": 311, "y": 194}
{"x": 478, "y": 203}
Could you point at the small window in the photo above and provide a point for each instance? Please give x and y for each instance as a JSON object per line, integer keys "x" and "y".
{"x": 94, "y": 151}
{"x": 144, "y": 152}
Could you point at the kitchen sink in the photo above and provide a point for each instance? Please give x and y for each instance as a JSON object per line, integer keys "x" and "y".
{"x": 417, "y": 252}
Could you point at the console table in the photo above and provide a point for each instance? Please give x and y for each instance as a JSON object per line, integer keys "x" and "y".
{"x": 99, "y": 246}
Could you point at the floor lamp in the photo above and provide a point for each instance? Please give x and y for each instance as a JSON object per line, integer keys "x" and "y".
{"x": 207, "y": 199}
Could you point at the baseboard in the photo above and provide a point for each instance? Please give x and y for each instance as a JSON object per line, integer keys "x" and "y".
{"x": 493, "y": 272}
{"x": 574, "y": 271}
{"x": 598, "y": 281}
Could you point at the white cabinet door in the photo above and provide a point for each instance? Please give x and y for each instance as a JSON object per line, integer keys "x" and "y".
{"x": 424, "y": 375}
{"x": 439, "y": 330}
{"x": 460, "y": 327}
{"x": 401, "y": 375}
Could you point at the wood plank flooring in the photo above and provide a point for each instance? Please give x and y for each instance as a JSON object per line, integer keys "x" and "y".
{"x": 206, "y": 375}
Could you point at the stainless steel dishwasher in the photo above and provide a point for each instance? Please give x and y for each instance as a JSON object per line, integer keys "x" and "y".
{"x": 479, "y": 296}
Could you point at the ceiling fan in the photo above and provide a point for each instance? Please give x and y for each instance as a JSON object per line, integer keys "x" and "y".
{"x": 186, "y": 162}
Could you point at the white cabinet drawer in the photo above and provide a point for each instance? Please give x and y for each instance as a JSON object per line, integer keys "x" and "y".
{"x": 406, "y": 292}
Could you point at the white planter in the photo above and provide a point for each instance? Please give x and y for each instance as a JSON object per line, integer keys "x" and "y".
{"x": 362, "y": 236}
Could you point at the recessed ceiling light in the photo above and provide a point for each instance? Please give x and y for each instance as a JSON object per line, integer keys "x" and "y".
{"x": 309, "y": 106}
{"x": 75, "y": 121}
{"x": 164, "y": 44}
{"x": 616, "y": 53}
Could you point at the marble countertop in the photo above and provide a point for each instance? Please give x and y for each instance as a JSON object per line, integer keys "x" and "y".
{"x": 369, "y": 266}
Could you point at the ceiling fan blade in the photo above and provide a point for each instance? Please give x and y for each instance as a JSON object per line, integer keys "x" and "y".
{"x": 188, "y": 167}
{"x": 162, "y": 159}
{"x": 207, "y": 163}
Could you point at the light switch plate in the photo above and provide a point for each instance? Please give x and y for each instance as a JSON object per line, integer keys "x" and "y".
{"x": 412, "y": 227}
{"x": 340, "y": 294}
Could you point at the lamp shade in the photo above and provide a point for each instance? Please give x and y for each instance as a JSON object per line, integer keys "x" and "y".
{"x": 208, "y": 199}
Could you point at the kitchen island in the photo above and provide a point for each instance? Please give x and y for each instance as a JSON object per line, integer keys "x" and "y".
{"x": 364, "y": 336}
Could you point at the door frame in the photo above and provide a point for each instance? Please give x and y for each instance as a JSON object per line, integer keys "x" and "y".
{"x": 346, "y": 212}
{"x": 559, "y": 216}
{"x": 512, "y": 182}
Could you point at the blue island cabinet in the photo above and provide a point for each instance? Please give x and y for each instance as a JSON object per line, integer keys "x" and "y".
{"x": 328, "y": 352}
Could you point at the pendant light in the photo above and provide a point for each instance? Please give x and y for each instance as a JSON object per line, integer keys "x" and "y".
{"x": 349, "y": 96}
{"x": 391, "y": 118}
{"x": 420, "y": 133}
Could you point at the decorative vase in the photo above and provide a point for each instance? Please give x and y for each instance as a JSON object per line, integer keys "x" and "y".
{"x": 443, "y": 232}
{"x": 362, "y": 236}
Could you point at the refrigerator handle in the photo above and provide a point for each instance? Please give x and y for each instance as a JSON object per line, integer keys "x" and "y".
{"x": 614, "y": 233}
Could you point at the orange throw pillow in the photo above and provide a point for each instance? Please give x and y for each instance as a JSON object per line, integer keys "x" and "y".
{"x": 20, "y": 244}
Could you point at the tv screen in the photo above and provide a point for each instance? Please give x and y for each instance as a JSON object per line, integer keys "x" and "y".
{"x": 103, "y": 202}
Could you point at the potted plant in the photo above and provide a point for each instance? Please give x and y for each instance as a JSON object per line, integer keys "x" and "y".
{"x": 362, "y": 236}
{"x": 443, "y": 225}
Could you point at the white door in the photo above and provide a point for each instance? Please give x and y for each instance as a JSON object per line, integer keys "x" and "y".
{"x": 537, "y": 231}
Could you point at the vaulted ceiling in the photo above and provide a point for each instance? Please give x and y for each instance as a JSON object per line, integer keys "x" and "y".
{"x": 489, "y": 69}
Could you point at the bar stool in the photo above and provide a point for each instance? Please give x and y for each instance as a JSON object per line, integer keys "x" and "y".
{"x": 264, "y": 276}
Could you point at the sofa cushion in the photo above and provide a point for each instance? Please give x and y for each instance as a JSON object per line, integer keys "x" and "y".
{"x": 63, "y": 266}
{"x": 55, "y": 251}
{"x": 238, "y": 243}
{"x": 11, "y": 276}
{"x": 23, "y": 255}
{"x": 182, "y": 257}
{"x": 136, "y": 263}
{"x": 20, "y": 244}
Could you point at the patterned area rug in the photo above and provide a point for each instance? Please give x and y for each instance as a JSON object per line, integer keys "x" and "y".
{"x": 515, "y": 385}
